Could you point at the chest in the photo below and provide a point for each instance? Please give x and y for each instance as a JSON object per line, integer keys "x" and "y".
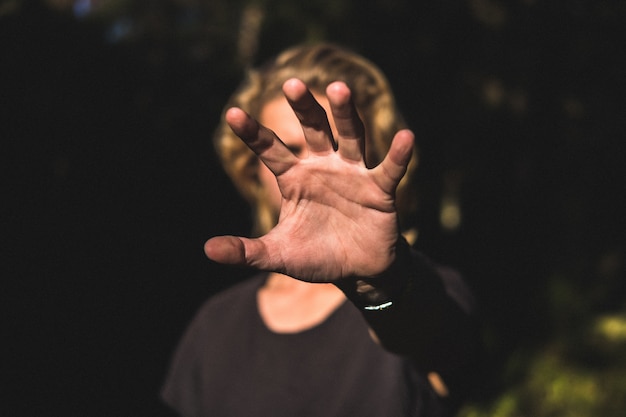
{"x": 332, "y": 370}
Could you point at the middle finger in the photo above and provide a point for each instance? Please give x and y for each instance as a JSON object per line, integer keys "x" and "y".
{"x": 312, "y": 117}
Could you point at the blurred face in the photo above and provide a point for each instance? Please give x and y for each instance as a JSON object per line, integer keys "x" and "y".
{"x": 278, "y": 116}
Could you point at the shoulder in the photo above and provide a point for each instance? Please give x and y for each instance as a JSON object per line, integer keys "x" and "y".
{"x": 227, "y": 306}
{"x": 197, "y": 349}
{"x": 216, "y": 318}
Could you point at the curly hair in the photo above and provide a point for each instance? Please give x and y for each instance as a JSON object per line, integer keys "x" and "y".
{"x": 317, "y": 66}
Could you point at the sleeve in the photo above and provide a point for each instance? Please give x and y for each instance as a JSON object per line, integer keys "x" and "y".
{"x": 427, "y": 313}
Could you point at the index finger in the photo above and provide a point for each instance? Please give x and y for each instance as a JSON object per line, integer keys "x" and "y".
{"x": 263, "y": 141}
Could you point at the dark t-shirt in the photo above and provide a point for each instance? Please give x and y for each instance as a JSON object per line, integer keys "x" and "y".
{"x": 230, "y": 364}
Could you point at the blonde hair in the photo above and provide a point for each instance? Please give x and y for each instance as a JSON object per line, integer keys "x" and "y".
{"x": 317, "y": 66}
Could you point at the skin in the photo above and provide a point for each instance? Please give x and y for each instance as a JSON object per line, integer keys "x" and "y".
{"x": 337, "y": 218}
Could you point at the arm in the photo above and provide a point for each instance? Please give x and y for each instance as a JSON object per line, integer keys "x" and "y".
{"x": 425, "y": 312}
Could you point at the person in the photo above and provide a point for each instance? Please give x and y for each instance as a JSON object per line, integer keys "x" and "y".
{"x": 344, "y": 318}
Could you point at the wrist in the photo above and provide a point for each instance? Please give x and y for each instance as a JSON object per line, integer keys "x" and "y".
{"x": 383, "y": 291}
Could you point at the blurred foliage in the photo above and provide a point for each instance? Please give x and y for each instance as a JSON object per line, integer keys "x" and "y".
{"x": 580, "y": 370}
{"x": 519, "y": 108}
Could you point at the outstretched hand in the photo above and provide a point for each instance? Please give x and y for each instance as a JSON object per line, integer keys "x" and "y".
{"x": 337, "y": 217}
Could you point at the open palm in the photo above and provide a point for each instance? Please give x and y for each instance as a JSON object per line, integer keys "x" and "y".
{"x": 337, "y": 217}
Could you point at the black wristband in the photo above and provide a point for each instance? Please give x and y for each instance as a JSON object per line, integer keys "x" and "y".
{"x": 383, "y": 291}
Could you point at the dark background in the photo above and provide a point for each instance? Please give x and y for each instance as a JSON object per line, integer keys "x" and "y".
{"x": 111, "y": 185}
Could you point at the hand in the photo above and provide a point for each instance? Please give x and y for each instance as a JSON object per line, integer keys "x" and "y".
{"x": 337, "y": 217}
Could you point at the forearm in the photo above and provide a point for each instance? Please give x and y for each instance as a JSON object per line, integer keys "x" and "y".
{"x": 414, "y": 313}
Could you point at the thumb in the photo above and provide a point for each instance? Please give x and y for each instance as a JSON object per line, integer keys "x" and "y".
{"x": 235, "y": 250}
